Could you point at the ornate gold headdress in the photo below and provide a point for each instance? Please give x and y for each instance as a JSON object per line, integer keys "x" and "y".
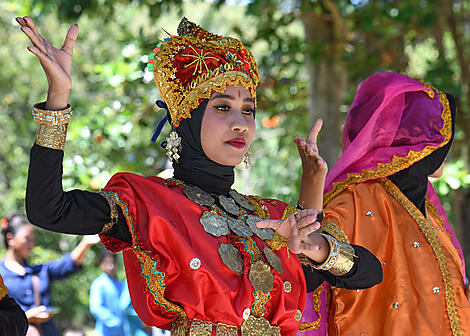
{"x": 189, "y": 67}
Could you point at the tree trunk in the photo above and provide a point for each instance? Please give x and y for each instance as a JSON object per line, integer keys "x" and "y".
{"x": 328, "y": 75}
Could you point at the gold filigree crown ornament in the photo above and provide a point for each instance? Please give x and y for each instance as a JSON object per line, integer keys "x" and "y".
{"x": 189, "y": 67}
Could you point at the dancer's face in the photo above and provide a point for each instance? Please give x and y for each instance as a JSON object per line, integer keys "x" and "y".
{"x": 228, "y": 126}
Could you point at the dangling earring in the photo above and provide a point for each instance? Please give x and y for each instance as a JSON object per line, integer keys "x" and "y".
{"x": 173, "y": 146}
{"x": 247, "y": 160}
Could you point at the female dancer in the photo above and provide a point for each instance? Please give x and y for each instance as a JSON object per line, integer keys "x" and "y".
{"x": 397, "y": 133}
{"x": 196, "y": 260}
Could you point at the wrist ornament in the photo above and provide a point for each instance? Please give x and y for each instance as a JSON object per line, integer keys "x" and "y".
{"x": 340, "y": 260}
{"x": 52, "y": 129}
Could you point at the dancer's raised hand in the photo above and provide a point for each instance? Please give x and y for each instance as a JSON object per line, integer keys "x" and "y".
{"x": 312, "y": 162}
{"x": 57, "y": 63}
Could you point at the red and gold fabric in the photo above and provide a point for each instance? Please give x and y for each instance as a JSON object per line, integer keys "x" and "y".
{"x": 190, "y": 67}
{"x": 174, "y": 270}
{"x": 3, "y": 288}
{"x": 422, "y": 292}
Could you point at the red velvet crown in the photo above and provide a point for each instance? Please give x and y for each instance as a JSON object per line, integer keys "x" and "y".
{"x": 190, "y": 67}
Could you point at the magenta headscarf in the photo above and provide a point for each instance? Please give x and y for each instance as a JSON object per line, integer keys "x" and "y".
{"x": 394, "y": 121}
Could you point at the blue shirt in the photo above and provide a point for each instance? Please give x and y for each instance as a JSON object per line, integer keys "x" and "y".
{"x": 105, "y": 307}
{"x": 132, "y": 323}
{"x": 21, "y": 286}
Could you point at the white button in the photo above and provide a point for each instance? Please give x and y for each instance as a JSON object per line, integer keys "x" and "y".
{"x": 435, "y": 290}
{"x": 369, "y": 213}
{"x": 415, "y": 244}
{"x": 246, "y": 313}
{"x": 29, "y": 292}
{"x": 195, "y": 263}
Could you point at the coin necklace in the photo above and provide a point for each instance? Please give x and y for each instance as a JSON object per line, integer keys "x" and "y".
{"x": 243, "y": 226}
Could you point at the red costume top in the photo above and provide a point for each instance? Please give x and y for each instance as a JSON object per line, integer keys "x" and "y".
{"x": 174, "y": 269}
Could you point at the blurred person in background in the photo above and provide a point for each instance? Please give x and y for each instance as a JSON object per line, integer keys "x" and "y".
{"x": 105, "y": 294}
{"x": 30, "y": 285}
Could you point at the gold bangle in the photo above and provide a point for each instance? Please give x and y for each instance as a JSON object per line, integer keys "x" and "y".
{"x": 339, "y": 261}
{"x": 51, "y": 136}
{"x": 51, "y": 117}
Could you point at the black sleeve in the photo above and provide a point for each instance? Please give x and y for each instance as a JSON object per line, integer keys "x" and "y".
{"x": 13, "y": 321}
{"x": 365, "y": 273}
{"x": 75, "y": 211}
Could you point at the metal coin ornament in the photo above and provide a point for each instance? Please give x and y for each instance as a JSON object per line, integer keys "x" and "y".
{"x": 198, "y": 195}
{"x": 229, "y": 205}
{"x": 231, "y": 257}
{"x": 239, "y": 227}
{"x": 173, "y": 146}
{"x": 263, "y": 233}
{"x": 214, "y": 224}
{"x": 241, "y": 200}
{"x": 261, "y": 277}
{"x": 273, "y": 259}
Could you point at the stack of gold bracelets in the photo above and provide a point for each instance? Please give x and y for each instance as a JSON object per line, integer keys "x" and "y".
{"x": 52, "y": 129}
{"x": 340, "y": 260}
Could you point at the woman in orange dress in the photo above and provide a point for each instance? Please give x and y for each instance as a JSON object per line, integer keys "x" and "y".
{"x": 397, "y": 133}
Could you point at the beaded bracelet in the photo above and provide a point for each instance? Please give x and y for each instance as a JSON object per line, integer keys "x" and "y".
{"x": 51, "y": 117}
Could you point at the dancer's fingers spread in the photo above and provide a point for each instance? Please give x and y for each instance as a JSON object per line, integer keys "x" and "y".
{"x": 31, "y": 24}
{"x": 269, "y": 223}
{"x": 21, "y": 21}
{"x": 316, "y": 128}
{"x": 35, "y": 39}
{"x": 70, "y": 38}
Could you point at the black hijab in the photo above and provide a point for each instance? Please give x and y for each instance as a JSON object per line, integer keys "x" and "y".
{"x": 413, "y": 181}
{"x": 194, "y": 166}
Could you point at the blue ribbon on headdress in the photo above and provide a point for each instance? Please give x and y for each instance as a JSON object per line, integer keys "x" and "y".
{"x": 161, "y": 104}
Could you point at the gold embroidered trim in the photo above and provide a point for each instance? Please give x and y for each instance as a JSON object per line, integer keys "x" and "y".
{"x": 306, "y": 326}
{"x": 51, "y": 136}
{"x": 398, "y": 163}
{"x": 200, "y": 328}
{"x": 3, "y": 289}
{"x": 155, "y": 280}
{"x": 290, "y": 210}
{"x": 333, "y": 230}
{"x": 261, "y": 299}
{"x": 433, "y": 240}
{"x": 433, "y": 211}
{"x": 111, "y": 198}
{"x": 277, "y": 242}
{"x": 260, "y": 209}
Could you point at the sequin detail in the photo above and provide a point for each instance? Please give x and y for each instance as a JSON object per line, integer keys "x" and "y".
{"x": 431, "y": 236}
